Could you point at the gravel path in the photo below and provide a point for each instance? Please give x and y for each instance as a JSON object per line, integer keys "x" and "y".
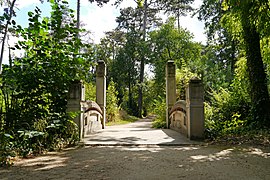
{"x": 166, "y": 162}
{"x": 137, "y": 133}
{"x": 146, "y": 161}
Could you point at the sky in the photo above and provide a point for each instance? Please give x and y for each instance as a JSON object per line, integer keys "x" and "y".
{"x": 100, "y": 19}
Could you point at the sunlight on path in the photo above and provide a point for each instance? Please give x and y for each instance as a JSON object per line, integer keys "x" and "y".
{"x": 137, "y": 133}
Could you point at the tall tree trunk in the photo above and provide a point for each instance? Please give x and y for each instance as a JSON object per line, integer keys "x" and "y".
{"x": 259, "y": 92}
{"x": 10, "y": 13}
{"x": 178, "y": 20}
{"x": 178, "y": 16}
{"x": 78, "y": 13}
{"x": 140, "y": 99}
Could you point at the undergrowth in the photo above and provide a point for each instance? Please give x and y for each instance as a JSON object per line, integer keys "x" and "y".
{"x": 122, "y": 118}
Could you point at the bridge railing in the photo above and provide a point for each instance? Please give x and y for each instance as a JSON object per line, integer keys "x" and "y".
{"x": 92, "y": 117}
{"x": 92, "y": 114}
{"x": 185, "y": 116}
{"x": 178, "y": 117}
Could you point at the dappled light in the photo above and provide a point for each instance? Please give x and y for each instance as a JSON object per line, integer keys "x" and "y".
{"x": 141, "y": 148}
{"x": 44, "y": 162}
{"x": 186, "y": 148}
{"x": 222, "y": 155}
{"x": 136, "y": 133}
{"x": 162, "y": 162}
{"x": 258, "y": 152}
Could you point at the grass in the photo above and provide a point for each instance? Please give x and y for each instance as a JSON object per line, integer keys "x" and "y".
{"x": 123, "y": 118}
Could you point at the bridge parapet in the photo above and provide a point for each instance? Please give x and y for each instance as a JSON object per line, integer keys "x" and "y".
{"x": 92, "y": 117}
{"x": 178, "y": 117}
{"x": 185, "y": 116}
{"x": 195, "y": 109}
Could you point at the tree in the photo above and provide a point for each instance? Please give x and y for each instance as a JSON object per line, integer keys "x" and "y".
{"x": 8, "y": 16}
{"x": 219, "y": 37}
{"x": 38, "y": 83}
{"x": 167, "y": 43}
{"x": 124, "y": 71}
{"x": 252, "y": 14}
{"x": 112, "y": 102}
{"x": 140, "y": 20}
{"x": 177, "y": 8}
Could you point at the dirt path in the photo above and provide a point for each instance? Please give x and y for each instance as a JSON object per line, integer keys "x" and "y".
{"x": 146, "y": 162}
{"x": 137, "y": 133}
{"x": 188, "y": 162}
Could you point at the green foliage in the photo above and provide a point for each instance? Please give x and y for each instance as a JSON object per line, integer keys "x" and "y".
{"x": 34, "y": 89}
{"x": 112, "y": 109}
{"x": 234, "y": 125}
{"x": 29, "y": 142}
{"x": 169, "y": 43}
{"x": 124, "y": 71}
{"x": 183, "y": 76}
{"x": 123, "y": 118}
{"x": 6, "y": 149}
{"x": 90, "y": 91}
{"x": 160, "y": 112}
{"x": 227, "y": 105}
{"x": 149, "y": 91}
{"x": 254, "y": 19}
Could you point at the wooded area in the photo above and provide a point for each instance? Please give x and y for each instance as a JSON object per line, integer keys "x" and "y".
{"x": 234, "y": 66}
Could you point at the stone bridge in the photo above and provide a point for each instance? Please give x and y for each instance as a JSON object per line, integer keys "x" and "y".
{"x": 184, "y": 116}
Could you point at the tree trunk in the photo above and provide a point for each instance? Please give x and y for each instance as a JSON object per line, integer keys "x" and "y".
{"x": 178, "y": 16}
{"x": 259, "y": 92}
{"x": 78, "y": 13}
{"x": 140, "y": 99}
{"x": 10, "y": 13}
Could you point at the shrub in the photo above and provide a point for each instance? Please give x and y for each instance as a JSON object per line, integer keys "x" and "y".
{"x": 160, "y": 112}
{"x": 112, "y": 109}
{"x": 227, "y": 105}
{"x": 90, "y": 91}
{"x": 6, "y": 149}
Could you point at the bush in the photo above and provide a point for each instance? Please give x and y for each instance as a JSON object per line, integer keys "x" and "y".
{"x": 112, "y": 109}
{"x": 6, "y": 149}
{"x": 35, "y": 87}
{"x": 160, "y": 112}
{"x": 90, "y": 91}
{"x": 183, "y": 76}
{"x": 229, "y": 109}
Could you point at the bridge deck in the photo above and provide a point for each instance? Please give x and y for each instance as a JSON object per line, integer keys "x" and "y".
{"x": 137, "y": 133}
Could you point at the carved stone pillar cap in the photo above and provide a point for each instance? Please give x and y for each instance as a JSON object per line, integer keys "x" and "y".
{"x": 195, "y": 79}
{"x": 101, "y": 62}
{"x": 170, "y": 61}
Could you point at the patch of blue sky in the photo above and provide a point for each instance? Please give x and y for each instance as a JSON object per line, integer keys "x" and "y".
{"x": 22, "y": 14}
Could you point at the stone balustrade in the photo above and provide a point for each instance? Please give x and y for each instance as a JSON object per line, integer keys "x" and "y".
{"x": 92, "y": 116}
{"x": 185, "y": 116}
{"x": 178, "y": 117}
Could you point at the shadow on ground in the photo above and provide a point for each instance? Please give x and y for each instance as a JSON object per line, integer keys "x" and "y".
{"x": 159, "y": 162}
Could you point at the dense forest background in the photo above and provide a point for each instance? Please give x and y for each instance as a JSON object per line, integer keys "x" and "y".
{"x": 234, "y": 66}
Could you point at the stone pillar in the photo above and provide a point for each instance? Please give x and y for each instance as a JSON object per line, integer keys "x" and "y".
{"x": 170, "y": 89}
{"x": 195, "y": 109}
{"x": 75, "y": 96}
{"x": 101, "y": 89}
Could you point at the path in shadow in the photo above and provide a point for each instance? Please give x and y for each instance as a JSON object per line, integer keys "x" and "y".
{"x": 178, "y": 162}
